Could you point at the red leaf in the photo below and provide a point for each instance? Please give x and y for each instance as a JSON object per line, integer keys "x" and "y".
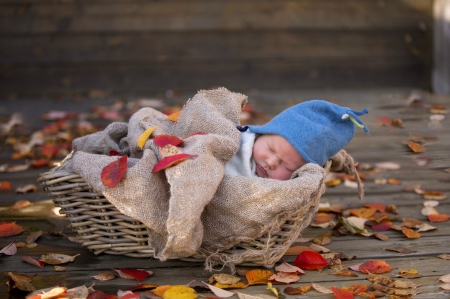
{"x": 342, "y": 294}
{"x": 134, "y": 273}
{"x": 5, "y": 185}
{"x": 375, "y": 267}
{"x": 34, "y": 261}
{"x": 310, "y": 260}
{"x": 114, "y": 171}
{"x": 10, "y": 229}
{"x": 165, "y": 139}
{"x": 114, "y": 153}
{"x": 382, "y": 227}
{"x": 170, "y": 161}
{"x": 49, "y": 151}
{"x": 438, "y": 217}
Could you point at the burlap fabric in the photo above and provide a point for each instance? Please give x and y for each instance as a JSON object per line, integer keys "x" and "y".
{"x": 193, "y": 207}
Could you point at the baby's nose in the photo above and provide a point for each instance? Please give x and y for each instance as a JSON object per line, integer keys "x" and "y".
{"x": 271, "y": 162}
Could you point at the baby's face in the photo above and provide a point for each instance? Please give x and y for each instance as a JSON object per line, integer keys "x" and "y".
{"x": 275, "y": 157}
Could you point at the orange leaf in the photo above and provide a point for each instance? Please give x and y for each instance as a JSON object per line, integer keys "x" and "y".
{"x": 20, "y": 204}
{"x": 170, "y": 161}
{"x": 342, "y": 294}
{"x": 416, "y": 147}
{"x": 384, "y": 121}
{"x": 298, "y": 290}
{"x": 363, "y": 212}
{"x": 438, "y": 217}
{"x": 49, "y": 151}
{"x": 5, "y": 185}
{"x": 323, "y": 218}
{"x": 165, "y": 139}
{"x": 258, "y": 276}
{"x": 310, "y": 260}
{"x": 333, "y": 183}
{"x": 358, "y": 288}
{"x": 174, "y": 116}
{"x": 375, "y": 267}
{"x": 379, "y": 206}
{"x": 10, "y": 229}
{"x": 114, "y": 171}
{"x": 40, "y": 163}
{"x": 410, "y": 233}
{"x": 345, "y": 273}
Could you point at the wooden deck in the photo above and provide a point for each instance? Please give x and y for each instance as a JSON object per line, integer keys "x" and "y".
{"x": 384, "y": 144}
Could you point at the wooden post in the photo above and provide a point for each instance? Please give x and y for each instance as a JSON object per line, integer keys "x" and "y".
{"x": 441, "y": 67}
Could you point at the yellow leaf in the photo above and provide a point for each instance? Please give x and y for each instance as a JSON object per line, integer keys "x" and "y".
{"x": 144, "y": 136}
{"x": 180, "y": 292}
{"x": 174, "y": 116}
{"x": 237, "y": 285}
{"x": 159, "y": 291}
{"x": 271, "y": 288}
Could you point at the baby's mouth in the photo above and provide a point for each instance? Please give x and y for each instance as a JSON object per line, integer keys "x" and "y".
{"x": 262, "y": 170}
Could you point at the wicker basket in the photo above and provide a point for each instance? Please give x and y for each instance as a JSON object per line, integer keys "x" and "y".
{"x": 103, "y": 229}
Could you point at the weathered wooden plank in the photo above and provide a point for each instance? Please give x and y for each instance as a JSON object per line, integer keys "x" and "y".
{"x": 208, "y": 15}
{"x": 159, "y": 77}
{"x": 211, "y": 47}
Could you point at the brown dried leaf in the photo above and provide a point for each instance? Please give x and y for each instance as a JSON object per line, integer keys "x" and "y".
{"x": 33, "y": 237}
{"x": 223, "y": 278}
{"x": 319, "y": 248}
{"x": 105, "y": 276}
{"x": 381, "y": 236}
{"x": 22, "y": 283}
{"x": 298, "y": 290}
{"x": 399, "y": 250}
{"x": 410, "y": 234}
{"x": 416, "y": 147}
{"x": 57, "y": 258}
{"x": 444, "y": 256}
{"x": 26, "y": 188}
{"x": 321, "y": 289}
{"x": 323, "y": 239}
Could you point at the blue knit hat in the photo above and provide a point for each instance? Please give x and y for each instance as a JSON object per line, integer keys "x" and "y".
{"x": 317, "y": 129}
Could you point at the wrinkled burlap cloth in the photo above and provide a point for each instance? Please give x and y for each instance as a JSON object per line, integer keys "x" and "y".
{"x": 193, "y": 207}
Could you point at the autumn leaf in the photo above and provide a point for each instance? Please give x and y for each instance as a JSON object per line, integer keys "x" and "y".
{"x": 144, "y": 137}
{"x": 174, "y": 116}
{"x": 444, "y": 256}
{"x": 133, "y": 273}
{"x": 165, "y": 139}
{"x": 10, "y": 249}
{"x": 288, "y": 268}
{"x": 296, "y": 250}
{"x": 400, "y": 250}
{"x": 218, "y": 291}
{"x": 5, "y": 185}
{"x": 438, "y": 217}
{"x": 57, "y": 258}
{"x": 379, "y": 206}
{"x": 26, "y": 188}
{"x": 445, "y": 278}
{"x": 33, "y": 261}
{"x": 238, "y": 285}
{"x": 321, "y": 289}
{"x": 382, "y": 227}
{"x": 342, "y": 293}
{"x": 323, "y": 239}
{"x": 114, "y": 171}
{"x": 298, "y": 290}
{"x": 410, "y": 234}
{"x": 223, "y": 278}
{"x": 114, "y": 153}
{"x": 345, "y": 273}
{"x": 416, "y": 147}
{"x": 33, "y": 237}
{"x": 20, "y": 204}
{"x": 21, "y": 282}
{"x": 310, "y": 260}
{"x": 284, "y": 277}
{"x": 104, "y": 276}
{"x": 323, "y": 217}
{"x": 358, "y": 288}
{"x": 258, "y": 276}
{"x": 381, "y": 237}
{"x": 170, "y": 161}
{"x": 159, "y": 291}
{"x": 363, "y": 212}
{"x": 180, "y": 292}
{"x": 375, "y": 267}
{"x": 10, "y": 229}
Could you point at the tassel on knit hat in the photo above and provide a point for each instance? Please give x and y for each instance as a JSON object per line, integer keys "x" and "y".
{"x": 317, "y": 129}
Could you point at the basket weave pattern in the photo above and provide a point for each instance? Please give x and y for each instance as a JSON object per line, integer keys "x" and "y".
{"x": 102, "y": 228}
{"x": 99, "y": 225}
